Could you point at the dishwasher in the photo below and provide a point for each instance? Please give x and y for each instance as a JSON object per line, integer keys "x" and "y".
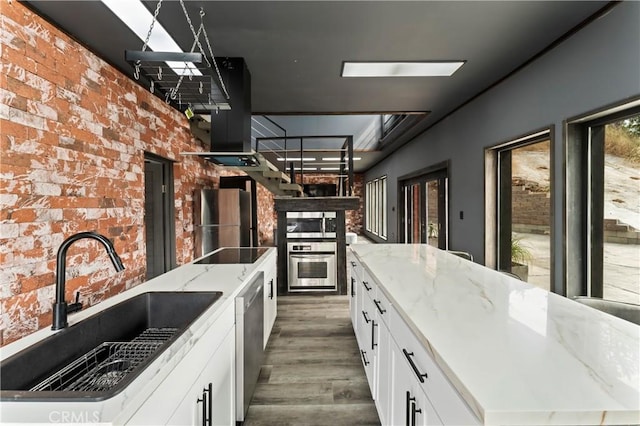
{"x": 249, "y": 342}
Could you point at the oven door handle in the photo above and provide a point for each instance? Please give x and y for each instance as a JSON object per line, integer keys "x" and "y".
{"x": 312, "y": 256}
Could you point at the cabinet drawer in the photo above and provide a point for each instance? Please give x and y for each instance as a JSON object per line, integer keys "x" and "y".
{"x": 446, "y": 400}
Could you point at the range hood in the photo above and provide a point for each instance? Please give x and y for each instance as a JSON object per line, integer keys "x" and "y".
{"x": 230, "y": 130}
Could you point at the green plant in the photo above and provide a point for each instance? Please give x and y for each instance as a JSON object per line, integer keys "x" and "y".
{"x": 519, "y": 253}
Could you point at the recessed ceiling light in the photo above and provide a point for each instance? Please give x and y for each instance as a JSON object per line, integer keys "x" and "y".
{"x": 297, "y": 159}
{"x": 400, "y": 69}
{"x": 135, "y": 16}
{"x": 339, "y": 159}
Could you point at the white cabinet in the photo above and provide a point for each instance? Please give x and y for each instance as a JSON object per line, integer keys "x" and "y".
{"x": 407, "y": 385}
{"x": 210, "y": 360}
{"x": 408, "y": 404}
{"x": 382, "y": 357}
{"x": 210, "y": 401}
{"x": 270, "y": 300}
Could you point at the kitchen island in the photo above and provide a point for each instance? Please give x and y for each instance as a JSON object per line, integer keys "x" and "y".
{"x": 496, "y": 350}
{"x": 140, "y": 400}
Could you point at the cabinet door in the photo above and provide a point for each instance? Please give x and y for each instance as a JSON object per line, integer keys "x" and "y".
{"x": 383, "y": 372}
{"x": 270, "y": 301}
{"x": 409, "y": 405}
{"x": 211, "y": 401}
{"x": 188, "y": 377}
{"x": 367, "y": 340}
{"x": 353, "y": 290}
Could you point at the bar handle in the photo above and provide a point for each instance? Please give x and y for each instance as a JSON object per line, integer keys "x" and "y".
{"x": 271, "y": 289}
{"x": 366, "y": 285}
{"x": 353, "y": 285}
{"x": 366, "y": 318}
{"x": 408, "y": 355}
{"x": 364, "y": 357}
{"x": 373, "y": 335}
{"x": 379, "y": 306}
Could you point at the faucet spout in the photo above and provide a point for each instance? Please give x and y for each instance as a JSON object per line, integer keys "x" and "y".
{"x": 60, "y": 307}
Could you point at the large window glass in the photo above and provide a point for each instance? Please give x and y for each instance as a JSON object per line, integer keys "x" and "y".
{"x": 603, "y": 205}
{"x": 376, "y": 207}
{"x": 621, "y": 213}
{"x": 519, "y": 213}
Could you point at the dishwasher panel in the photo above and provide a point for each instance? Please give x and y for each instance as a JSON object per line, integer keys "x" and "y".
{"x": 249, "y": 342}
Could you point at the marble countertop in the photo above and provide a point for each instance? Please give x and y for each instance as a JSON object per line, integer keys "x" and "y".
{"x": 516, "y": 353}
{"x": 227, "y": 278}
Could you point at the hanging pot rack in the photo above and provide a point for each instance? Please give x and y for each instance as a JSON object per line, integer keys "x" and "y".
{"x": 192, "y": 83}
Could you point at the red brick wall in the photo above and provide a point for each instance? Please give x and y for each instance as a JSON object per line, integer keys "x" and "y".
{"x": 73, "y": 136}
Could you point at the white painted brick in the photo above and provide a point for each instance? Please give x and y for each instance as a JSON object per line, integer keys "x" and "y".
{"x": 68, "y": 95}
{"x": 131, "y": 97}
{"x": 45, "y": 215}
{"x": 8, "y": 200}
{"x": 6, "y": 97}
{"x": 9, "y": 230}
{"x": 26, "y": 119}
{"x": 35, "y": 228}
{"x": 43, "y": 188}
{"x": 95, "y": 214}
{"x": 42, "y": 110}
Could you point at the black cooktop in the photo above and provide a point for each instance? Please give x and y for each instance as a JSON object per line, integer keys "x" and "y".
{"x": 234, "y": 255}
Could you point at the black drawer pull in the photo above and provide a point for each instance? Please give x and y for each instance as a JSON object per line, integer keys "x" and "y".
{"x": 420, "y": 376}
{"x": 353, "y": 263}
{"x": 271, "y": 289}
{"x": 379, "y": 306}
{"x": 364, "y": 357}
{"x": 366, "y": 318}
{"x": 366, "y": 285}
{"x": 353, "y": 287}
{"x": 373, "y": 335}
{"x": 414, "y": 410}
{"x": 409, "y": 401}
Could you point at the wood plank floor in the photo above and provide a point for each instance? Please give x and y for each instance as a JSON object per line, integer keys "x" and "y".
{"x": 312, "y": 374}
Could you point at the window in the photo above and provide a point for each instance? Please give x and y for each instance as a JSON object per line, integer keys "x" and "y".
{"x": 376, "y": 208}
{"x": 522, "y": 211}
{"x": 603, "y": 205}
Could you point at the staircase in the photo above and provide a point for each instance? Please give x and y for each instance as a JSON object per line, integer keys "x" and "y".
{"x": 272, "y": 178}
{"x": 275, "y": 180}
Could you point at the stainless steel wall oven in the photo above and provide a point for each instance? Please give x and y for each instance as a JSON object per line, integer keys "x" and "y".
{"x": 312, "y": 266}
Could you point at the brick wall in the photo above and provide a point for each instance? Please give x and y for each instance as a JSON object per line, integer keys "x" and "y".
{"x": 74, "y": 131}
{"x": 531, "y": 207}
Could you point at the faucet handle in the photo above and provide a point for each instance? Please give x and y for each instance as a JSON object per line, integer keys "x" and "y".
{"x": 75, "y": 306}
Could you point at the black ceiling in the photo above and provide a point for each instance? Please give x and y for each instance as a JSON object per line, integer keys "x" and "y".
{"x": 295, "y": 49}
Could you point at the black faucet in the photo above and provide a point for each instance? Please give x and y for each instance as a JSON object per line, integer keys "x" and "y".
{"x": 60, "y": 306}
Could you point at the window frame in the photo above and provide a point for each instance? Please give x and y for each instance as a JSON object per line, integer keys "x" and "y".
{"x": 583, "y": 221}
{"x": 376, "y": 207}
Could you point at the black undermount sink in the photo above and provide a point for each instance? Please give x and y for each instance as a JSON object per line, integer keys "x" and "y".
{"x": 99, "y": 356}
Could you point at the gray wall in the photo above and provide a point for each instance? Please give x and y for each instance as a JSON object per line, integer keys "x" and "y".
{"x": 597, "y": 66}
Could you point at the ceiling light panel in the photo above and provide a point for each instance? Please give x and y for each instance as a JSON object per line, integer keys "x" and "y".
{"x": 400, "y": 69}
{"x": 297, "y": 159}
{"x": 135, "y": 16}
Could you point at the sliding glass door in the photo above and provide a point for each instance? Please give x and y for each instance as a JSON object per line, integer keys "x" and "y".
{"x": 424, "y": 209}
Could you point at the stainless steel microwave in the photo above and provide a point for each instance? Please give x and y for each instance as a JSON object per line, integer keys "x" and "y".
{"x": 311, "y": 224}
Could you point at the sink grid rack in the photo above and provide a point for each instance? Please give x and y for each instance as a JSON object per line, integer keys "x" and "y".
{"x": 104, "y": 366}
